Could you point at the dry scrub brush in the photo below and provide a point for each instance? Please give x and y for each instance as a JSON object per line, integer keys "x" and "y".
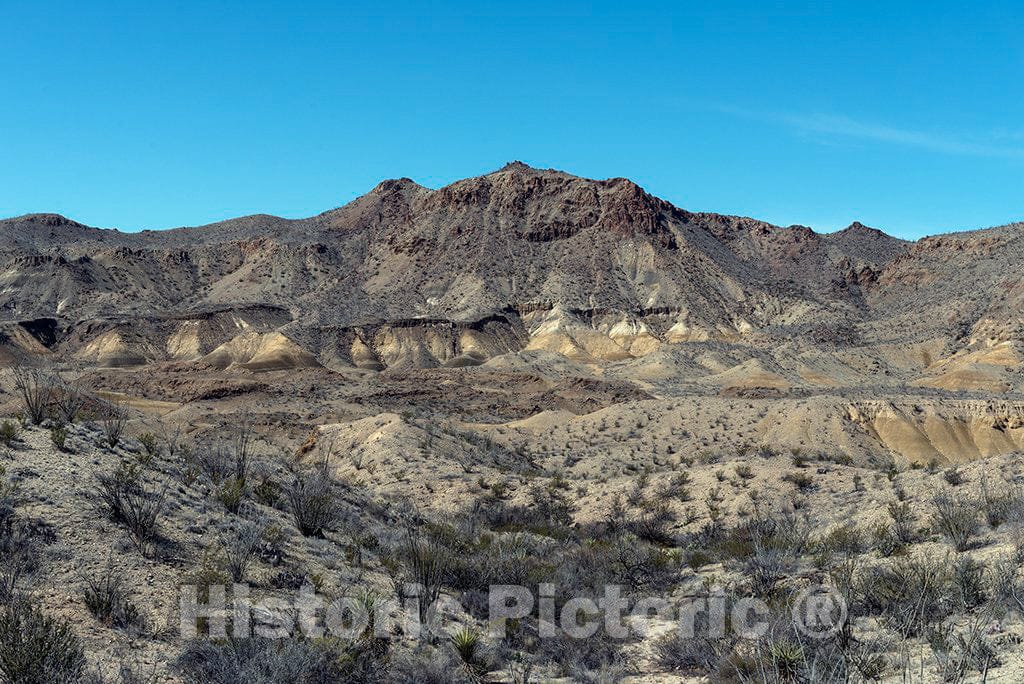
{"x": 127, "y": 500}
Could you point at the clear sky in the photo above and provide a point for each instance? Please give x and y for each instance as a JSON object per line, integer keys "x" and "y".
{"x": 905, "y": 116}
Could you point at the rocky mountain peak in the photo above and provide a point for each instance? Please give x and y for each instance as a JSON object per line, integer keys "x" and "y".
{"x": 47, "y": 220}
{"x": 516, "y": 165}
{"x": 859, "y": 228}
{"x": 392, "y": 185}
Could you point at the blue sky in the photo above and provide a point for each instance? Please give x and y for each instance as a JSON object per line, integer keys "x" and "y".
{"x": 905, "y": 116}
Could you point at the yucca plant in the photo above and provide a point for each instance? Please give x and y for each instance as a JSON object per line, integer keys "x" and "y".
{"x": 786, "y": 658}
{"x": 467, "y": 644}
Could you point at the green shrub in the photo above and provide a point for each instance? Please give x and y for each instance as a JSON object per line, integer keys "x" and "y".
{"x": 954, "y": 477}
{"x": 552, "y": 508}
{"x": 210, "y": 572}
{"x": 801, "y": 481}
{"x": 902, "y": 521}
{"x": 676, "y": 488}
{"x": 697, "y": 559}
{"x": 654, "y": 524}
{"x": 35, "y": 649}
{"x": 8, "y": 433}
{"x": 744, "y": 472}
{"x": 59, "y": 437}
{"x": 267, "y": 492}
{"x": 969, "y": 580}
{"x": 841, "y": 459}
{"x": 846, "y": 539}
{"x": 231, "y": 493}
{"x": 149, "y": 445}
{"x": 500, "y": 489}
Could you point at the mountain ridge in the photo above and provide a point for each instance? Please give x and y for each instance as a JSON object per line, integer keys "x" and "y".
{"x": 56, "y": 219}
{"x": 514, "y": 260}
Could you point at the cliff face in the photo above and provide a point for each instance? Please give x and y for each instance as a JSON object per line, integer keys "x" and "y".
{"x": 948, "y": 432}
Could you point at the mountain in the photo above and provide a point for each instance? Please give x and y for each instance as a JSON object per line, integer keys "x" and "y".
{"x": 518, "y": 259}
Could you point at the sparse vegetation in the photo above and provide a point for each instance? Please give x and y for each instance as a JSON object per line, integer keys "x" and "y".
{"x": 150, "y": 448}
{"x": 744, "y": 472}
{"x": 1000, "y": 505}
{"x": 59, "y": 437}
{"x": 8, "y": 433}
{"x": 911, "y": 594}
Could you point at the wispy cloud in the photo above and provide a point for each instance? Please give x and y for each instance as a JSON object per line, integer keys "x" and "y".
{"x": 1004, "y": 144}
